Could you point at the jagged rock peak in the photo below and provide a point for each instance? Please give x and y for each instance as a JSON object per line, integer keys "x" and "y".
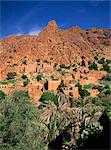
{"x": 52, "y": 25}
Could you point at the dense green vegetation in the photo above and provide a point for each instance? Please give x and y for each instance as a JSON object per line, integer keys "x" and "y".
{"x": 106, "y": 67}
{"x": 19, "y": 127}
{"x": 25, "y": 126}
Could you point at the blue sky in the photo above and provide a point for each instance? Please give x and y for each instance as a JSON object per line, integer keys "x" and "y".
{"x": 29, "y": 17}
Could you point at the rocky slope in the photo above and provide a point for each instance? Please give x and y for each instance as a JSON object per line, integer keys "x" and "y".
{"x": 55, "y": 45}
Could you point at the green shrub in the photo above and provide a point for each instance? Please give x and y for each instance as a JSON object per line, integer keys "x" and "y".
{"x": 58, "y": 69}
{"x": 83, "y": 93}
{"x": 108, "y": 61}
{"x": 94, "y": 100}
{"x": 25, "y": 83}
{"x": 64, "y": 66}
{"x": 101, "y": 61}
{"x": 108, "y": 91}
{"x": 93, "y": 67}
{"x": 62, "y": 73}
{"x": 62, "y": 85}
{"x": 78, "y": 85}
{"x": 24, "y": 76}
{"x": 106, "y": 68}
{"x": 24, "y": 61}
{"x": 49, "y": 96}
{"x": 99, "y": 87}
{"x": 75, "y": 69}
{"x": 96, "y": 58}
{"x": 89, "y": 62}
{"x": 11, "y": 75}
{"x": 39, "y": 77}
{"x": 88, "y": 86}
{"x": 2, "y": 95}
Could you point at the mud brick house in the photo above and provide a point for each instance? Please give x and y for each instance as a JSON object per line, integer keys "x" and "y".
{"x": 53, "y": 84}
{"x": 85, "y": 82}
{"x": 76, "y": 93}
{"x": 67, "y": 79}
{"x": 30, "y": 68}
{"x": 93, "y": 92}
{"x": 77, "y": 75}
{"x": 35, "y": 91}
{"x": 66, "y": 90}
{"x": 74, "y": 90}
{"x": 57, "y": 75}
{"x": 10, "y": 84}
{"x": 47, "y": 67}
{"x": 92, "y": 80}
{"x": 96, "y": 74}
{"x": 5, "y": 88}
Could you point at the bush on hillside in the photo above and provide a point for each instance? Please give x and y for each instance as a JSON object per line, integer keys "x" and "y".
{"x": 93, "y": 66}
{"x": 38, "y": 77}
{"x": 64, "y": 66}
{"x": 49, "y": 96}
{"x": 101, "y": 61}
{"x": 25, "y": 83}
{"x": 24, "y": 76}
{"x": 11, "y": 75}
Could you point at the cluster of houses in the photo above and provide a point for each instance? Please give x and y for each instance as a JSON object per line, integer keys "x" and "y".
{"x": 51, "y": 78}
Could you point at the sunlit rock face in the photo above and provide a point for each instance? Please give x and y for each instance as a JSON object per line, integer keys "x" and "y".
{"x": 55, "y": 45}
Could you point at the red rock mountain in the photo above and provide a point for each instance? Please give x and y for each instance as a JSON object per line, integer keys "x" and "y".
{"x": 56, "y": 45}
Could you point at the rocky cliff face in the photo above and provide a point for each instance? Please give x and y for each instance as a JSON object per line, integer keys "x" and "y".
{"x": 55, "y": 45}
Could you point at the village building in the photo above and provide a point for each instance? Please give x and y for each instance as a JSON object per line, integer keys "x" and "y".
{"x": 90, "y": 80}
{"x": 10, "y": 84}
{"x": 67, "y": 79}
{"x": 35, "y": 91}
{"x": 5, "y": 88}
{"x": 30, "y": 68}
{"x": 77, "y": 75}
{"x": 47, "y": 67}
{"x": 96, "y": 74}
{"x": 76, "y": 93}
{"x": 93, "y": 92}
{"x": 71, "y": 89}
{"x": 53, "y": 84}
